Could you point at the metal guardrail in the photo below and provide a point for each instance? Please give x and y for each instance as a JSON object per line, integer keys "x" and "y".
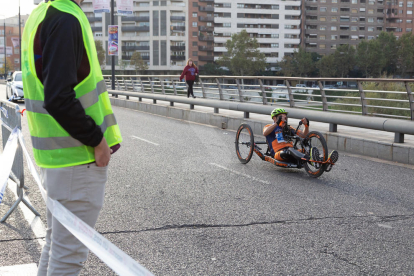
{"x": 333, "y": 102}
{"x": 10, "y": 116}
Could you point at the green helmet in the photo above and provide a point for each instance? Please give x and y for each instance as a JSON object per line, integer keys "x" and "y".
{"x": 278, "y": 111}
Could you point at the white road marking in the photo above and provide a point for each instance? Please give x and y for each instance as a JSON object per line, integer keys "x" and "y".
{"x": 385, "y": 226}
{"x": 19, "y": 270}
{"x": 144, "y": 140}
{"x": 242, "y": 174}
{"x": 35, "y": 223}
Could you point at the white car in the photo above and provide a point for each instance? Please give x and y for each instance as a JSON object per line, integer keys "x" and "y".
{"x": 14, "y": 87}
{"x": 301, "y": 85}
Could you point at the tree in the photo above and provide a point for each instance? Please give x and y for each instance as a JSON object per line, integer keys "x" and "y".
{"x": 212, "y": 69}
{"x": 9, "y": 67}
{"x": 138, "y": 63}
{"x": 327, "y": 66}
{"x": 100, "y": 51}
{"x": 388, "y": 44}
{"x": 344, "y": 59}
{"x": 287, "y": 65}
{"x": 123, "y": 64}
{"x": 243, "y": 56}
{"x": 405, "y": 53}
{"x": 303, "y": 62}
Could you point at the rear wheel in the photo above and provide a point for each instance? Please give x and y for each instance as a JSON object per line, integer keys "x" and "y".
{"x": 244, "y": 143}
{"x": 316, "y": 140}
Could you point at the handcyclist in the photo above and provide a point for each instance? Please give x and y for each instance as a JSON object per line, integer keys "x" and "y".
{"x": 283, "y": 150}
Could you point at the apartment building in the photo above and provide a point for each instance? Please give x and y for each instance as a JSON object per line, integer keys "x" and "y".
{"x": 12, "y": 31}
{"x": 157, "y": 29}
{"x": 275, "y": 24}
{"x": 330, "y": 23}
{"x": 399, "y": 17}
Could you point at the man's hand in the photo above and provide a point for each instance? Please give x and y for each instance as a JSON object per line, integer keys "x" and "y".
{"x": 305, "y": 121}
{"x": 102, "y": 154}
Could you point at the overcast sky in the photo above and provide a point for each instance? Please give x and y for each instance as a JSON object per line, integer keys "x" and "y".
{"x": 10, "y": 8}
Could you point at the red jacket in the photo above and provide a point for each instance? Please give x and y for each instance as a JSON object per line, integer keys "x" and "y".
{"x": 189, "y": 73}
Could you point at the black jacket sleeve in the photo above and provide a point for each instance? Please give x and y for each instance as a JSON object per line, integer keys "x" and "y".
{"x": 62, "y": 50}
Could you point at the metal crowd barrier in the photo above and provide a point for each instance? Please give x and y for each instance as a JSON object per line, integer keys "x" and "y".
{"x": 10, "y": 116}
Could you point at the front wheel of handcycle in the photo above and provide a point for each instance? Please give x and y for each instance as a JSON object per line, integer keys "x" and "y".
{"x": 316, "y": 140}
{"x": 244, "y": 143}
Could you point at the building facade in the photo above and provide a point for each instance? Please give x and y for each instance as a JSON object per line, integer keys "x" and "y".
{"x": 157, "y": 29}
{"x": 331, "y": 23}
{"x": 11, "y": 33}
{"x": 399, "y": 17}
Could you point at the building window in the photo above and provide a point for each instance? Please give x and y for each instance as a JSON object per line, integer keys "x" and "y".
{"x": 274, "y": 45}
{"x": 354, "y": 1}
{"x": 334, "y": 37}
{"x": 409, "y": 21}
{"x": 195, "y": 43}
{"x": 322, "y": 18}
{"x": 398, "y": 30}
{"x": 195, "y": 4}
{"x": 408, "y": 30}
{"x": 209, "y": 24}
{"x": 194, "y": 14}
{"x": 333, "y": 46}
{"x": 370, "y": 20}
{"x": 16, "y": 51}
{"x": 194, "y": 34}
{"x": 370, "y": 37}
{"x": 322, "y": 46}
{"x": 16, "y": 60}
{"x": 322, "y": 37}
{"x": 334, "y": 1}
{"x": 371, "y": 2}
{"x": 409, "y": 12}
{"x": 323, "y": 1}
{"x": 275, "y": 7}
{"x": 333, "y": 28}
{"x": 226, "y": 5}
{"x": 401, "y": 4}
{"x": 334, "y": 19}
{"x": 155, "y": 24}
{"x": 163, "y": 3}
{"x": 240, "y": 6}
{"x": 370, "y": 11}
{"x": 156, "y": 52}
{"x": 361, "y": 9}
{"x": 354, "y": 28}
{"x": 155, "y": 3}
{"x": 354, "y": 11}
{"x": 409, "y": 4}
{"x": 362, "y": 28}
{"x": 194, "y": 24}
{"x": 195, "y": 53}
{"x": 334, "y": 9}
{"x": 323, "y": 9}
{"x": 275, "y": 35}
{"x": 370, "y": 29}
{"x": 354, "y": 19}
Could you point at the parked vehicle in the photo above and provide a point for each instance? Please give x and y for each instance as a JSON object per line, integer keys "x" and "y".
{"x": 14, "y": 87}
{"x": 300, "y": 85}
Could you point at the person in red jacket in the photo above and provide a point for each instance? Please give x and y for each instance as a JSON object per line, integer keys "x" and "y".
{"x": 190, "y": 71}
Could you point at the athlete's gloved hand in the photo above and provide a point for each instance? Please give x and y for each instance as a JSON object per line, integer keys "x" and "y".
{"x": 305, "y": 121}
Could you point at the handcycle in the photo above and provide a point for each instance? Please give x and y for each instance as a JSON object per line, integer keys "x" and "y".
{"x": 245, "y": 146}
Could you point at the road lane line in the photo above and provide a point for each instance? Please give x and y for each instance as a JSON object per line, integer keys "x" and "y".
{"x": 241, "y": 174}
{"x": 144, "y": 140}
{"x": 19, "y": 270}
{"x": 35, "y": 222}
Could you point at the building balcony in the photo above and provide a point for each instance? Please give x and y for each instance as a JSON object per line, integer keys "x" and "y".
{"x": 94, "y": 19}
{"x": 205, "y": 29}
{"x": 135, "y": 48}
{"x": 206, "y": 48}
{"x": 206, "y": 38}
{"x": 177, "y": 18}
{"x": 393, "y": 15}
{"x": 135, "y": 28}
{"x": 135, "y": 18}
{"x": 96, "y": 29}
{"x": 206, "y": 58}
{"x": 129, "y": 58}
{"x": 211, "y": 1}
{"x": 177, "y": 58}
{"x": 178, "y": 28}
{"x": 206, "y": 18}
{"x": 177, "y": 48}
{"x": 206, "y": 9}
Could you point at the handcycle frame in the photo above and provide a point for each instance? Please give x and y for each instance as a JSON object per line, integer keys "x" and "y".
{"x": 289, "y": 136}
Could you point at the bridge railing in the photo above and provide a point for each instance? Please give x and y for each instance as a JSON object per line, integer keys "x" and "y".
{"x": 390, "y": 98}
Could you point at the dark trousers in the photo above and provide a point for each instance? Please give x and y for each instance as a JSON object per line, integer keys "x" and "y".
{"x": 190, "y": 88}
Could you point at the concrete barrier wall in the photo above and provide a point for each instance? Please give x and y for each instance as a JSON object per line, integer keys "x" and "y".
{"x": 387, "y": 151}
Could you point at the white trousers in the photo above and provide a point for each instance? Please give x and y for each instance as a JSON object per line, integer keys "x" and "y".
{"x": 81, "y": 190}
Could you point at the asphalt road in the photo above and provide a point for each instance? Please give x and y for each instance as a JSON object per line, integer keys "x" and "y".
{"x": 180, "y": 203}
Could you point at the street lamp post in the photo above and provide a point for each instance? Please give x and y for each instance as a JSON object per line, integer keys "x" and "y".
{"x": 113, "y": 57}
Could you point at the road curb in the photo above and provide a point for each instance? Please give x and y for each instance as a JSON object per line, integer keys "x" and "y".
{"x": 378, "y": 149}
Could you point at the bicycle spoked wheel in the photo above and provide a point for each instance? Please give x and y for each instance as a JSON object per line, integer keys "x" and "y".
{"x": 244, "y": 143}
{"x": 316, "y": 141}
